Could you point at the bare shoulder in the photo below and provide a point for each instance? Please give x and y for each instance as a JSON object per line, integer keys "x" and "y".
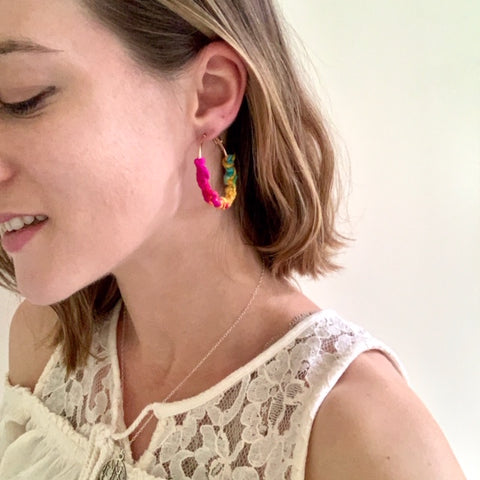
{"x": 372, "y": 425}
{"x": 30, "y": 330}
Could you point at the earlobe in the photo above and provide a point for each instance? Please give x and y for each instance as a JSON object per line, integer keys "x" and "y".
{"x": 221, "y": 84}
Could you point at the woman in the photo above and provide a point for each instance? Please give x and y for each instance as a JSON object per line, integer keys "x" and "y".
{"x": 180, "y": 347}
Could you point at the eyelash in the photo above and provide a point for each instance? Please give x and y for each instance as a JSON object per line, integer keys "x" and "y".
{"x": 28, "y": 106}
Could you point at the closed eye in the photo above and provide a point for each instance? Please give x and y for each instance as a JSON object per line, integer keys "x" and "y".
{"x": 28, "y": 106}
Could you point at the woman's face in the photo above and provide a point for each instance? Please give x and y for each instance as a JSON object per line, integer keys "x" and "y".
{"x": 101, "y": 156}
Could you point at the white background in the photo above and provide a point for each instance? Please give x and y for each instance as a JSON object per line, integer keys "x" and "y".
{"x": 399, "y": 81}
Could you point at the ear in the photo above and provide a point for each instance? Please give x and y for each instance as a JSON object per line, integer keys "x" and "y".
{"x": 220, "y": 81}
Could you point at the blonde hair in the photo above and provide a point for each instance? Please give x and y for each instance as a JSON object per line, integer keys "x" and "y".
{"x": 286, "y": 204}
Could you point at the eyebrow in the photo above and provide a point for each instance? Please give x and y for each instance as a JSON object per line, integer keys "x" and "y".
{"x": 12, "y": 46}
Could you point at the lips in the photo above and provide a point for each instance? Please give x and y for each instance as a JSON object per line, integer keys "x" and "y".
{"x": 13, "y": 242}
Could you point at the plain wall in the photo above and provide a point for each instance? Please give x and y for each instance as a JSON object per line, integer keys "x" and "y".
{"x": 399, "y": 81}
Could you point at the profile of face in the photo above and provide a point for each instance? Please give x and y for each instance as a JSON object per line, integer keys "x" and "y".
{"x": 102, "y": 154}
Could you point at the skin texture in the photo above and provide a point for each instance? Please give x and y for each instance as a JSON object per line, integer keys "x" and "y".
{"x": 108, "y": 157}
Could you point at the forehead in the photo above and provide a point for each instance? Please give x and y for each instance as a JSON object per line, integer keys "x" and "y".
{"x": 63, "y": 25}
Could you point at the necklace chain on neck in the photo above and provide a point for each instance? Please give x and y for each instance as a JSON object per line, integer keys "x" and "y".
{"x": 200, "y": 363}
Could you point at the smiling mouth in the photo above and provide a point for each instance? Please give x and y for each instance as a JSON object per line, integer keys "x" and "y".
{"x": 4, "y": 231}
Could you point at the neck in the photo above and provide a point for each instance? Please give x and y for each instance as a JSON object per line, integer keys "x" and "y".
{"x": 212, "y": 349}
{"x": 181, "y": 299}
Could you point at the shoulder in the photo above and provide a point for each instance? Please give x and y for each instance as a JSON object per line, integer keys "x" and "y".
{"x": 372, "y": 425}
{"x": 29, "y": 343}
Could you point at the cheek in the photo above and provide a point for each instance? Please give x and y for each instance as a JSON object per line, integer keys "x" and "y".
{"x": 110, "y": 188}
{"x": 107, "y": 166}
{"x": 102, "y": 210}
{"x": 108, "y": 179}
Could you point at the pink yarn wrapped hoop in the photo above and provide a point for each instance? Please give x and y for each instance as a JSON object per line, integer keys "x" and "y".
{"x": 230, "y": 179}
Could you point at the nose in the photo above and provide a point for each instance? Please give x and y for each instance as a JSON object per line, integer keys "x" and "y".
{"x": 10, "y": 154}
{"x": 6, "y": 171}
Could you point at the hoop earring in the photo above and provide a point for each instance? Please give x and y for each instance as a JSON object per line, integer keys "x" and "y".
{"x": 229, "y": 179}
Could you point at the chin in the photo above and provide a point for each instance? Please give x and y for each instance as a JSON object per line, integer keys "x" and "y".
{"x": 43, "y": 292}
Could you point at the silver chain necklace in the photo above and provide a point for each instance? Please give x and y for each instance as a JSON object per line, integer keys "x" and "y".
{"x": 115, "y": 469}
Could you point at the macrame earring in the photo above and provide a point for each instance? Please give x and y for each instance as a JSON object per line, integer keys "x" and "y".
{"x": 229, "y": 179}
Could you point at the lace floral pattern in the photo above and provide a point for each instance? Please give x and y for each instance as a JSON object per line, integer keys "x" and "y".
{"x": 250, "y": 430}
{"x": 84, "y": 398}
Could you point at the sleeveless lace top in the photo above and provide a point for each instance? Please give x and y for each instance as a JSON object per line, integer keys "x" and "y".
{"x": 253, "y": 425}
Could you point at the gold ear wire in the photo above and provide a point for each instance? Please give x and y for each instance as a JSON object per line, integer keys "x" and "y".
{"x": 219, "y": 143}
{"x": 204, "y": 136}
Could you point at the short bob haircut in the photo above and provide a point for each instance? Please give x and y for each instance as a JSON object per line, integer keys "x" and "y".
{"x": 286, "y": 203}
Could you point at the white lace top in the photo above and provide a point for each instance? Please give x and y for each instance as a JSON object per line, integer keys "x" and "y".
{"x": 253, "y": 425}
